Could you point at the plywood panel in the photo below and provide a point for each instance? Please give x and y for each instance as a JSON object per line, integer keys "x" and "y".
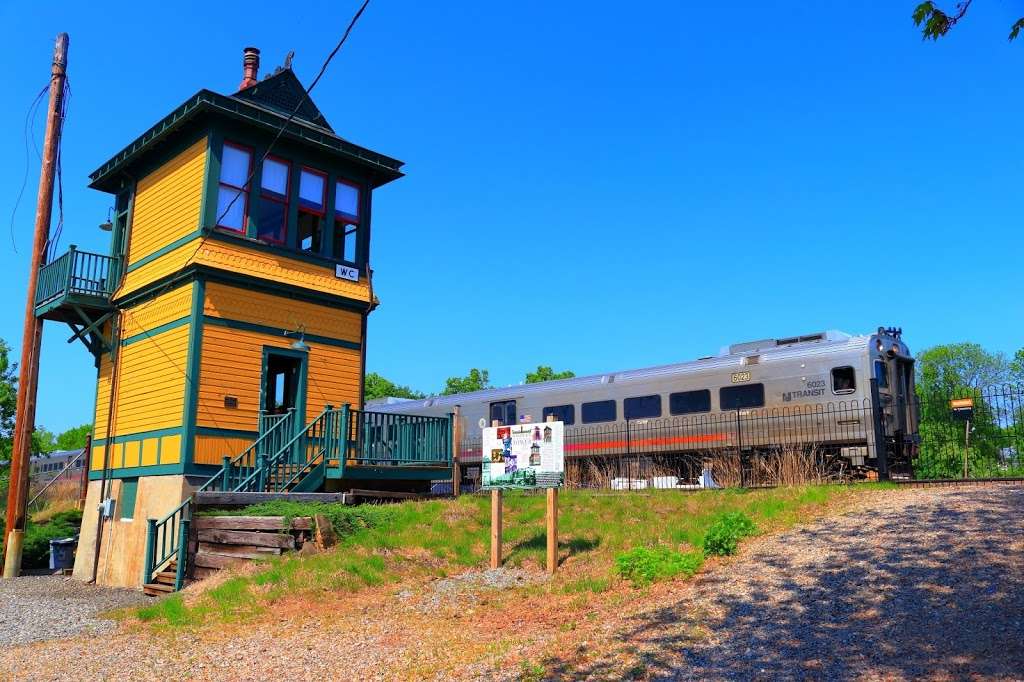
{"x": 167, "y": 203}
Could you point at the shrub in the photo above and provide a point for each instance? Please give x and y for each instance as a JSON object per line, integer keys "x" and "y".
{"x": 36, "y": 546}
{"x": 644, "y": 565}
{"x": 723, "y": 537}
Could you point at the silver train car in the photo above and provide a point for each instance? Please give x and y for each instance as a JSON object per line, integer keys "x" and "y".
{"x": 849, "y": 394}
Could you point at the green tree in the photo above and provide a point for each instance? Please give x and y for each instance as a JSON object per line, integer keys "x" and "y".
{"x": 958, "y": 370}
{"x": 476, "y": 380}
{"x": 44, "y": 441}
{"x": 8, "y": 400}
{"x": 545, "y": 373}
{"x": 377, "y": 386}
{"x": 74, "y": 438}
{"x": 935, "y": 23}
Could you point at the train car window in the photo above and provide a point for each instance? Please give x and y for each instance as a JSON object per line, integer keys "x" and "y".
{"x": 599, "y": 411}
{"x": 642, "y": 407}
{"x": 689, "y": 402}
{"x": 561, "y": 413}
{"x": 504, "y": 412}
{"x": 741, "y": 397}
{"x": 881, "y": 374}
{"x": 844, "y": 380}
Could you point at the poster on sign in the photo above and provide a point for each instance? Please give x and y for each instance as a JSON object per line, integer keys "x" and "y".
{"x": 524, "y": 456}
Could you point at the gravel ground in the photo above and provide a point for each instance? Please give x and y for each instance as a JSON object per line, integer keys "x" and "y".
{"x": 908, "y": 584}
{"x": 919, "y": 584}
{"x": 34, "y": 608}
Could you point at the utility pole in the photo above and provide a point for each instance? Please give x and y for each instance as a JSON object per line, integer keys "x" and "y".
{"x": 28, "y": 370}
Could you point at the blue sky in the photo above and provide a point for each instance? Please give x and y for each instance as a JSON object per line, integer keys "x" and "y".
{"x": 646, "y": 182}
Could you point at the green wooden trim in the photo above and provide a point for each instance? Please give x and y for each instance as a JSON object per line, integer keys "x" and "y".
{"x": 227, "y": 433}
{"x": 164, "y": 250}
{"x": 211, "y": 274}
{"x": 384, "y": 473}
{"x": 278, "y": 331}
{"x": 300, "y": 394}
{"x": 159, "y": 329}
{"x": 133, "y": 472}
{"x": 129, "y": 492}
{"x": 192, "y": 370}
{"x": 211, "y": 178}
{"x": 141, "y": 435}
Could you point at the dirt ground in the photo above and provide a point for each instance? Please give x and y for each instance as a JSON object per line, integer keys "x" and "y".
{"x": 909, "y": 584}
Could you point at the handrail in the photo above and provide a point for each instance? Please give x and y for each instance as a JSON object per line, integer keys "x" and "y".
{"x": 76, "y": 272}
{"x": 235, "y": 471}
{"x": 386, "y": 439}
{"x": 279, "y": 458}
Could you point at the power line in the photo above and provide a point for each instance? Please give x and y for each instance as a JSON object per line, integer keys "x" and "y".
{"x": 298, "y": 106}
{"x": 29, "y": 134}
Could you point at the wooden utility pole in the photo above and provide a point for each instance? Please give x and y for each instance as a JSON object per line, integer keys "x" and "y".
{"x": 28, "y": 370}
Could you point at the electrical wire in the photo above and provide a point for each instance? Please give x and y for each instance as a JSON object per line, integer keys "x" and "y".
{"x": 305, "y": 96}
{"x": 55, "y": 239}
{"x": 30, "y": 115}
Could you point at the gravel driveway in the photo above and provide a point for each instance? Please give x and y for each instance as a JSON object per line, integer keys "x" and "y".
{"x": 919, "y": 584}
{"x": 35, "y": 608}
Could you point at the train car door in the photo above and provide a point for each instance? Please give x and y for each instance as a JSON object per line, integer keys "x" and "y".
{"x": 504, "y": 411}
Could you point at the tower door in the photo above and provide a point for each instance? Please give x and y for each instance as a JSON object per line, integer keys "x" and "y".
{"x": 281, "y": 383}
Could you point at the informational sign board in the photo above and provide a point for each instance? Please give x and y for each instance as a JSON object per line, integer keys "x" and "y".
{"x": 524, "y": 456}
{"x": 962, "y": 408}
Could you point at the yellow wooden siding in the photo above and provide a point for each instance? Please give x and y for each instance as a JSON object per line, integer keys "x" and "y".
{"x": 167, "y": 203}
{"x": 232, "y": 365}
{"x": 212, "y": 449}
{"x": 102, "y": 396}
{"x": 165, "y": 265}
{"x": 151, "y": 382}
{"x": 277, "y": 267}
{"x": 172, "y": 306}
{"x": 277, "y": 311}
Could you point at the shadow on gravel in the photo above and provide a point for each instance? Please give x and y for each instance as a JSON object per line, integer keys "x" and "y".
{"x": 933, "y": 592}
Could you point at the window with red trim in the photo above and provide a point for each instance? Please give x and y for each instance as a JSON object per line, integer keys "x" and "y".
{"x": 232, "y": 198}
{"x": 347, "y": 234}
{"x": 272, "y": 215}
{"x": 312, "y": 209}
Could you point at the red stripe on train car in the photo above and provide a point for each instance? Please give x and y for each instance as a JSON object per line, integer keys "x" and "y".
{"x": 667, "y": 440}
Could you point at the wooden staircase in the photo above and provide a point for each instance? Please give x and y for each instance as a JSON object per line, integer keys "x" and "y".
{"x": 163, "y": 581}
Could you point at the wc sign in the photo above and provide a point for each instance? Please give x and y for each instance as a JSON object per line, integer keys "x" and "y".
{"x": 346, "y": 272}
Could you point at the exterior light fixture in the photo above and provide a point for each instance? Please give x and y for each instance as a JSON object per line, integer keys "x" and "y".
{"x": 106, "y": 225}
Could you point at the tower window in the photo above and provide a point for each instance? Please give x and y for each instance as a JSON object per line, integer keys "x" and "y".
{"x": 312, "y": 185}
{"x": 272, "y": 222}
{"x": 232, "y": 202}
{"x": 346, "y": 222}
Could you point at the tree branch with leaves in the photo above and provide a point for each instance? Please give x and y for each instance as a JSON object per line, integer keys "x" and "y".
{"x": 935, "y": 23}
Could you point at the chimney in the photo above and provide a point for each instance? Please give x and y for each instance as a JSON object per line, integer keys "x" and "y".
{"x": 250, "y": 67}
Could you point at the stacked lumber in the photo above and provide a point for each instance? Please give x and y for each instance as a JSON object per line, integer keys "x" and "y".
{"x": 223, "y": 541}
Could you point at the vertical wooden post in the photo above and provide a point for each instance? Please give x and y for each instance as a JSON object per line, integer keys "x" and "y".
{"x": 456, "y": 439}
{"x": 552, "y": 530}
{"x": 496, "y": 528}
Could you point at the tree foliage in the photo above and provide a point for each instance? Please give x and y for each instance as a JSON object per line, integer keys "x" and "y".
{"x": 935, "y": 23}
{"x": 476, "y": 380}
{"x": 955, "y": 367}
{"x": 377, "y": 386}
{"x": 545, "y": 373}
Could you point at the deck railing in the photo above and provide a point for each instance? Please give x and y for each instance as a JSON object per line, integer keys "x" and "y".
{"x": 382, "y": 439}
{"x": 76, "y": 273}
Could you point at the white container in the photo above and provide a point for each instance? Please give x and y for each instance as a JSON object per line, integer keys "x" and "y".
{"x": 629, "y": 484}
{"x": 665, "y": 481}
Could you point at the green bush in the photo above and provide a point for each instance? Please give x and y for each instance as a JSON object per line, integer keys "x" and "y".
{"x": 723, "y": 537}
{"x": 35, "y": 550}
{"x": 644, "y": 565}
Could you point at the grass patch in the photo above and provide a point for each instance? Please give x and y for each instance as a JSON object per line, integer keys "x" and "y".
{"x": 638, "y": 536}
{"x": 644, "y": 565}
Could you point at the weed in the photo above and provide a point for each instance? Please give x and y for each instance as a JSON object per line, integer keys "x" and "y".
{"x": 644, "y": 565}
{"x": 723, "y": 537}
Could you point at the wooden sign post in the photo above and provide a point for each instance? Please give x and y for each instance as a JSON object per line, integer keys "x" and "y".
{"x": 496, "y": 521}
{"x": 552, "y": 524}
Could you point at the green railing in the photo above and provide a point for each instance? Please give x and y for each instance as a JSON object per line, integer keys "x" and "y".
{"x": 76, "y": 272}
{"x": 168, "y": 537}
{"x": 382, "y": 439}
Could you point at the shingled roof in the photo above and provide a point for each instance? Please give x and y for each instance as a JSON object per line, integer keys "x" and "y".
{"x": 282, "y": 92}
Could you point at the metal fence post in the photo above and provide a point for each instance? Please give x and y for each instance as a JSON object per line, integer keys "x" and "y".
{"x": 879, "y": 428}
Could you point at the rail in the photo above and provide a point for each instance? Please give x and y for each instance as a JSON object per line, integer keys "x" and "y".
{"x": 75, "y": 273}
{"x": 167, "y": 539}
{"x": 383, "y": 439}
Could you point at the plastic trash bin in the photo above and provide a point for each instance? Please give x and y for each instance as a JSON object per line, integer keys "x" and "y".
{"x": 62, "y": 553}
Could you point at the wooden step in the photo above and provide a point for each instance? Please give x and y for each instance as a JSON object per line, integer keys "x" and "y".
{"x": 157, "y": 589}
{"x": 166, "y": 577}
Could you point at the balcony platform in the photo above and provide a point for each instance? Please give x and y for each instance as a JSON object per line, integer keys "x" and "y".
{"x": 76, "y": 289}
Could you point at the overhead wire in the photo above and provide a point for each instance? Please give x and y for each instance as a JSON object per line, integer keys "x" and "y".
{"x": 30, "y": 115}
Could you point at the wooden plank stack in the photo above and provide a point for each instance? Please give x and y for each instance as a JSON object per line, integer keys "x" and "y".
{"x": 223, "y": 541}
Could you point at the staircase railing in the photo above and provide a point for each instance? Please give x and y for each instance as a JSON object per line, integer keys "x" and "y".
{"x": 167, "y": 538}
{"x": 298, "y": 455}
